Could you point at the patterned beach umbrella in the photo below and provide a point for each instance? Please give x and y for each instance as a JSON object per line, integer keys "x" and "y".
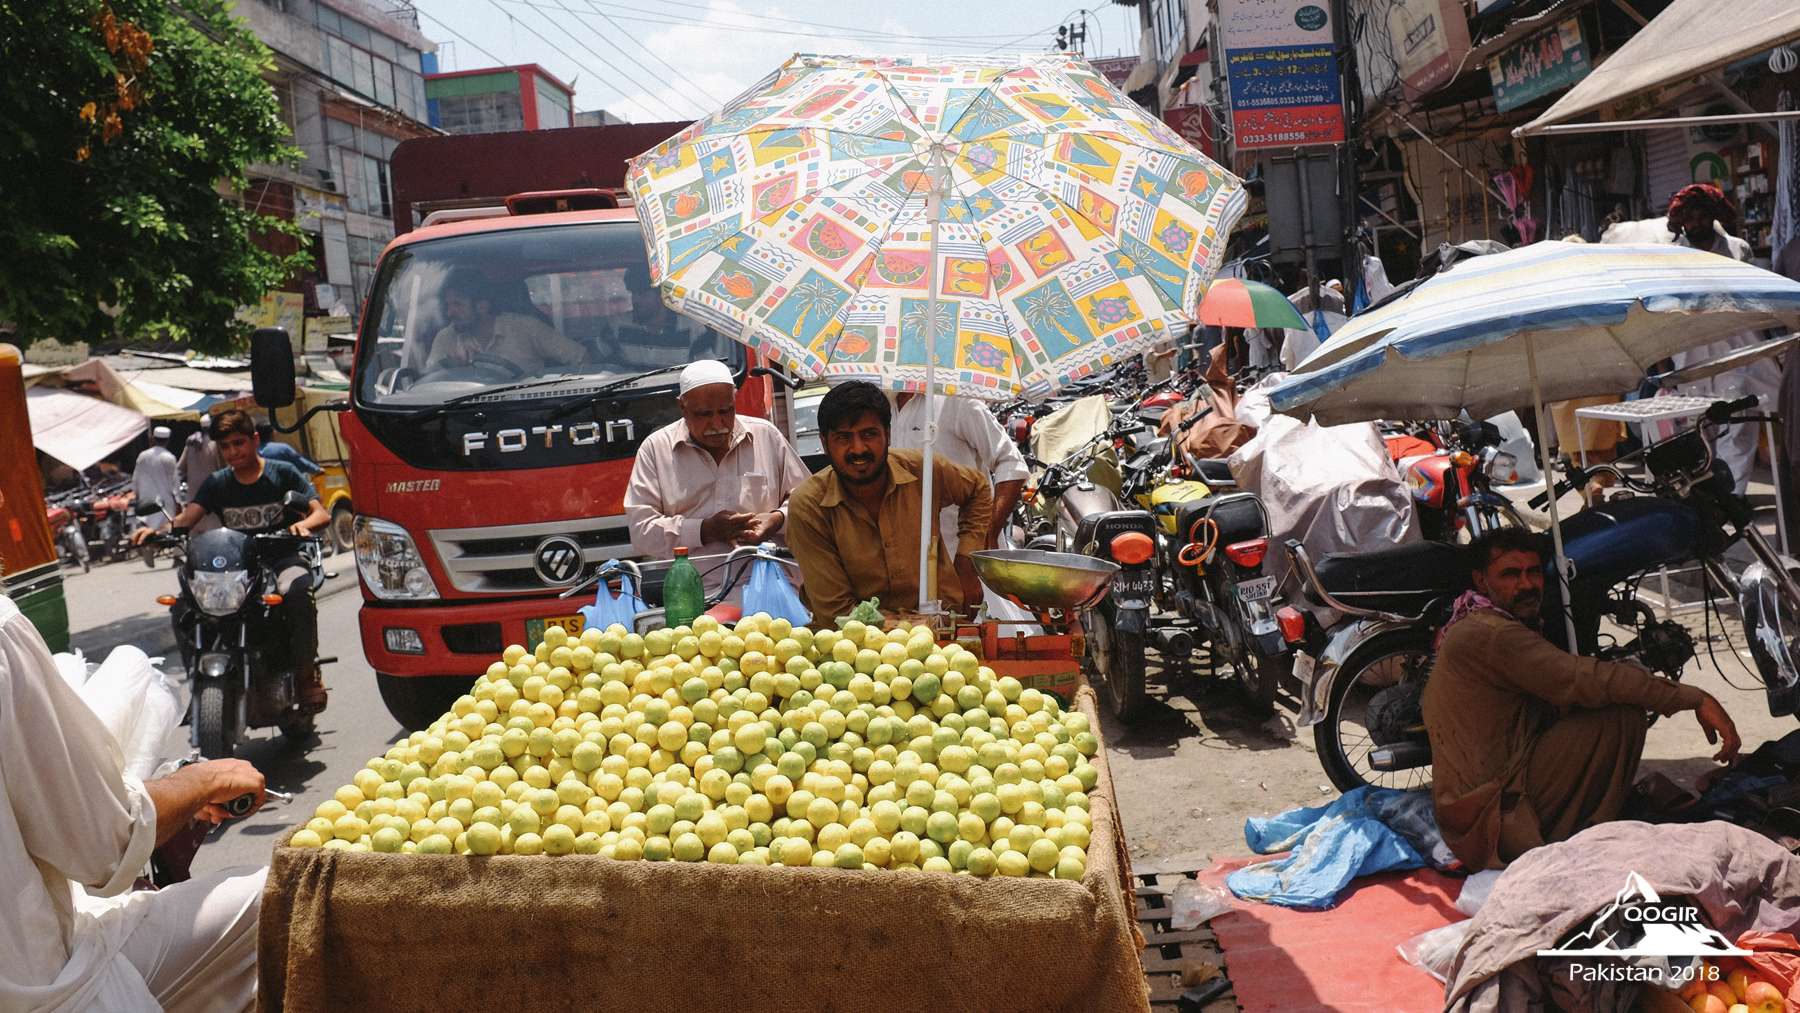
{"x": 1076, "y": 229}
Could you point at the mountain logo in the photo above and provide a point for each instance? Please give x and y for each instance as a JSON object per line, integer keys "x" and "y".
{"x": 1639, "y": 922}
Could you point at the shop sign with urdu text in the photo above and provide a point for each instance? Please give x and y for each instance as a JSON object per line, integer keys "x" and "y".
{"x": 1283, "y": 74}
{"x": 1539, "y": 65}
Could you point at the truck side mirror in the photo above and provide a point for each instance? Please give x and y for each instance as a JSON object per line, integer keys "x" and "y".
{"x": 272, "y": 367}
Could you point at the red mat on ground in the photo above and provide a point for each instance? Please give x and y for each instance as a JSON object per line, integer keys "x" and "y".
{"x": 1343, "y": 959}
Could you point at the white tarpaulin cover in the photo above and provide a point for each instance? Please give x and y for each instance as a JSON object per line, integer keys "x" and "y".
{"x": 1334, "y": 488}
{"x": 79, "y": 430}
{"x": 1687, "y": 38}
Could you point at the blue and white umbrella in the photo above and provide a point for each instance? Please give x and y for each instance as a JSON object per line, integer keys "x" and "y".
{"x": 1593, "y": 317}
{"x": 1546, "y": 322}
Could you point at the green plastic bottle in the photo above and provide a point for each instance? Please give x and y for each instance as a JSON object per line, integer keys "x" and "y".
{"x": 683, "y": 596}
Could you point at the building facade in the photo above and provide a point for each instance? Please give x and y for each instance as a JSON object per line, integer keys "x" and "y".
{"x": 496, "y": 99}
{"x": 350, "y": 79}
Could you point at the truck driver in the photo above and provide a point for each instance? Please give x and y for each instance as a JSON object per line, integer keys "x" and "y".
{"x": 481, "y": 330}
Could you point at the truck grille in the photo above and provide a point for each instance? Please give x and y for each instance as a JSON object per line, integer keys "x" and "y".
{"x": 498, "y": 560}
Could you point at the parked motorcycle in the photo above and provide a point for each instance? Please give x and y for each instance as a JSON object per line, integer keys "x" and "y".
{"x": 71, "y": 544}
{"x": 1452, "y": 484}
{"x": 1210, "y": 542}
{"x": 1363, "y": 676}
{"x": 232, "y": 628}
{"x": 1066, "y": 511}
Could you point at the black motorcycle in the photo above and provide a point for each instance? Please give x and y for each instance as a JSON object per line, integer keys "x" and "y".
{"x": 232, "y": 628}
{"x": 1210, "y": 544}
{"x": 1066, "y": 511}
{"x": 1364, "y": 676}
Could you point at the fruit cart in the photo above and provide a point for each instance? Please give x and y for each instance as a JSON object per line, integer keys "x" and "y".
{"x": 357, "y": 929}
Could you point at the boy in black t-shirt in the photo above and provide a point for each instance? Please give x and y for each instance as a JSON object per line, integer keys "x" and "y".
{"x": 246, "y": 495}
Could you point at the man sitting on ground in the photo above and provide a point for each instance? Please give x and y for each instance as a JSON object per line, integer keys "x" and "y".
{"x": 1530, "y": 744}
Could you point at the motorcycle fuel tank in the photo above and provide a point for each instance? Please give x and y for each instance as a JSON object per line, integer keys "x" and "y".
{"x": 1625, "y": 536}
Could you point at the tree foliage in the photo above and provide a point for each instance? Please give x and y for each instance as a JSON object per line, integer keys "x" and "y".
{"x": 124, "y": 127}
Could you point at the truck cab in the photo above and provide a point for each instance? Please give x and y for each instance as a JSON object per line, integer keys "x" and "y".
{"x": 507, "y": 369}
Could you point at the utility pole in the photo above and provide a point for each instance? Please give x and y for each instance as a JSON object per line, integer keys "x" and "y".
{"x": 1350, "y": 93}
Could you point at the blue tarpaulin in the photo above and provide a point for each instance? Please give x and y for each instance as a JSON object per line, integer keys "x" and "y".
{"x": 1329, "y": 846}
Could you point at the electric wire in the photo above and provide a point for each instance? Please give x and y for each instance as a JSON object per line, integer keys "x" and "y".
{"x": 707, "y": 98}
{"x": 818, "y": 27}
{"x": 623, "y": 92}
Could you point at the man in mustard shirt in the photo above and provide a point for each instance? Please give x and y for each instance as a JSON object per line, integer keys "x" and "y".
{"x": 854, "y": 528}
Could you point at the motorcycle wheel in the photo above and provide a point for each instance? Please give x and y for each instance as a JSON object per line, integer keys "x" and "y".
{"x": 343, "y": 529}
{"x": 217, "y": 738}
{"x": 1123, "y": 675}
{"x": 1257, "y": 673}
{"x": 1343, "y": 739}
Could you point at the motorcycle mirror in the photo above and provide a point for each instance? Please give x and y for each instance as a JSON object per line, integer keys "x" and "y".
{"x": 146, "y": 507}
{"x": 294, "y": 508}
{"x": 272, "y": 367}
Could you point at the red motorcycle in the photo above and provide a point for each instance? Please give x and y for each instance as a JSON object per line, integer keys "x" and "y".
{"x": 71, "y": 544}
{"x": 1451, "y": 469}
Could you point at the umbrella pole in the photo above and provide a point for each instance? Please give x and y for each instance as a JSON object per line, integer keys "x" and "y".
{"x": 1556, "y": 539}
{"x": 934, "y": 206}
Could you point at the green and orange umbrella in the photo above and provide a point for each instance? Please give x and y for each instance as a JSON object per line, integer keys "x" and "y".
{"x": 1234, "y": 302}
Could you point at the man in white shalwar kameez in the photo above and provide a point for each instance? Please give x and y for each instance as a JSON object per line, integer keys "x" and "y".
{"x": 1692, "y": 216}
{"x": 75, "y": 829}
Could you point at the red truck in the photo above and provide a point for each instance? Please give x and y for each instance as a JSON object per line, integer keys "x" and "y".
{"x": 495, "y": 480}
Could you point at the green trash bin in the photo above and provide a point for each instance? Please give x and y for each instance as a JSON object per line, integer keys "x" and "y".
{"x": 39, "y": 594}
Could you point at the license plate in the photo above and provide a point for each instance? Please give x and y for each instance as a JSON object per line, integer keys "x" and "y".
{"x": 534, "y": 628}
{"x": 1256, "y": 590}
{"x": 1134, "y": 584}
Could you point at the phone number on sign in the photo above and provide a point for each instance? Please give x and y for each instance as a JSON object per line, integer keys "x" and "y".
{"x": 1293, "y": 135}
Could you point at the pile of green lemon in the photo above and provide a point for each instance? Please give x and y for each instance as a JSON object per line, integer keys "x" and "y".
{"x": 761, "y": 744}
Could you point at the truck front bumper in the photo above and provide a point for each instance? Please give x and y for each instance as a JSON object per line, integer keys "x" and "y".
{"x": 455, "y": 637}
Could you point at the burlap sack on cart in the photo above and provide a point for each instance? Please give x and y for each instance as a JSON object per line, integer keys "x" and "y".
{"x": 346, "y": 931}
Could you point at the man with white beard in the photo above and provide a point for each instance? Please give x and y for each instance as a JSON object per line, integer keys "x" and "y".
{"x": 711, "y": 481}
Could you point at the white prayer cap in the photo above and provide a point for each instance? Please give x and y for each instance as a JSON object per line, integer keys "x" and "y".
{"x": 160, "y": 433}
{"x": 703, "y": 373}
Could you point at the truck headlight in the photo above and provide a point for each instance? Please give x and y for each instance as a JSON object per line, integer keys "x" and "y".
{"x": 389, "y": 562}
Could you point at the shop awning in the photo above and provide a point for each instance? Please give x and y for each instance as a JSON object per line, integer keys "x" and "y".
{"x": 175, "y": 393}
{"x": 79, "y": 430}
{"x": 1689, "y": 37}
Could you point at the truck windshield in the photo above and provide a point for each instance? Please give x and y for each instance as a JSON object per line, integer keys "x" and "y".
{"x": 498, "y": 309}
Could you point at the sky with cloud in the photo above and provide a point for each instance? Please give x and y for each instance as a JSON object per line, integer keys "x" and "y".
{"x": 659, "y": 60}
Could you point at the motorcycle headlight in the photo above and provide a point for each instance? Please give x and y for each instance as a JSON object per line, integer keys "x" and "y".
{"x": 390, "y": 563}
{"x": 219, "y": 593}
{"x": 1503, "y": 468}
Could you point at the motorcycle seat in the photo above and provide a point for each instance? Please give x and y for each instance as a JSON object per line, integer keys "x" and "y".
{"x": 1238, "y": 514}
{"x": 1403, "y": 579}
{"x": 1216, "y": 472}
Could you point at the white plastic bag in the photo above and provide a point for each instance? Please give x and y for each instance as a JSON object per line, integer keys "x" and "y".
{"x": 137, "y": 703}
{"x": 1475, "y": 891}
{"x": 1194, "y": 902}
{"x": 1433, "y": 950}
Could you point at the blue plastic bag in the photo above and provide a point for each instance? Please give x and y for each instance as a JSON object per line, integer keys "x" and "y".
{"x": 607, "y": 609}
{"x": 1329, "y": 846}
{"x": 769, "y": 591}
